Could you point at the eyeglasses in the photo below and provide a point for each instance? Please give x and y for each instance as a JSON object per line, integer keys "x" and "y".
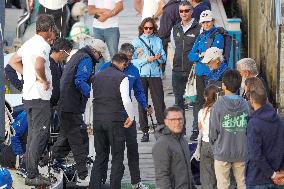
{"x": 184, "y": 11}
{"x": 148, "y": 28}
{"x": 175, "y": 119}
{"x": 65, "y": 52}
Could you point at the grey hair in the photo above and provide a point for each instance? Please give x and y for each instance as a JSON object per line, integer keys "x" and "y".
{"x": 44, "y": 23}
{"x": 186, "y": 3}
{"x": 127, "y": 48}
{"x": 247, "y": 64}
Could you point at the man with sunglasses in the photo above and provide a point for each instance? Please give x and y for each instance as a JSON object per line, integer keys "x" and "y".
{"x": 184, "y": 35}
{"x": 75, "y": 87}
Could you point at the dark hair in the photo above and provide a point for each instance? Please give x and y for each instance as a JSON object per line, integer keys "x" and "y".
{"x": 210, "y": 93}
{"x": 44, "y": 23}
{"x": 119, "y": 58}
{"x": 253, "y": 82}
{"x": 173, "y": 109}
{"x": 258, "y": 94}
{"x": 62, "y": 44}
{"x": 141, "y": 26}
{"x": 186, "y": 3}
{"x": 127, "y": 48}
{"x": 232, "y": 80}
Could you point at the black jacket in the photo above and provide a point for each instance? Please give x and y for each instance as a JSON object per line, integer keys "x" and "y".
{"x": 171, "y": 160}
{"x": 184, "y": 43}
{"x": 169, "y": 18}
{"x": 56, "y": 72}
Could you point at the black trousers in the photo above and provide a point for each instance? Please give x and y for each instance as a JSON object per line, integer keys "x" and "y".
{"x": 72, "y": 131}
{"x": 157, "y": 94}
{"x": 108, "y": 134}
{"x": 132, "y": 155}
{"x": 60, "y": 17}
{"x": 200, "y": 87}
{"x": 38, "y": 117}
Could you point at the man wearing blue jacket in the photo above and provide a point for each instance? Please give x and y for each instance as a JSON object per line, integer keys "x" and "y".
{"x": 265, "y": 142}
{"x": 202, "y": 70}
{"x": 75, "y": 87}
{"x": 131, "y": 133}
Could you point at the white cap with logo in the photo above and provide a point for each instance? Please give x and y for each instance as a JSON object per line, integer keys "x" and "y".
{"x": 212, "y": 54}
{"x": 206, "y": 16}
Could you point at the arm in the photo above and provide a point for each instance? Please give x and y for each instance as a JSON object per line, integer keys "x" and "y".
{"x": 139, "y": 93}
{"x": 159, "y": 11}
{"x": 40, "y": 69}
{"x": 194, "y": 53}
{"x": 162, "y": 161}
{"x": 105, "y": 13}
{"x": 138, "y": 6}
{"x": 13, "y": 77}
{"x": 214, "y": 125}
{"x": 16, "y": 63}
{"x": 218, "y": 41}
{"x": 163, "y": 58}
{"x": 127, "y": 103}
{"x": 83, "y": 75}
{"x": 254, "y": 141}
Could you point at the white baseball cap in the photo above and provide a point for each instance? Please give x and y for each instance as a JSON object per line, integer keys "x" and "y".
{"x": 206, "y": 16}
{"x": 212, "y": 54}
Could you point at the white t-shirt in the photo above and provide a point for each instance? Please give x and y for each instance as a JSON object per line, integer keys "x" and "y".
{"x": 150, "y": 7}
{"x": 203, "y": 118}
{"x": 53, "y": 4}
{"x": 29, "y": 51}
{"x": 106, "y": 4}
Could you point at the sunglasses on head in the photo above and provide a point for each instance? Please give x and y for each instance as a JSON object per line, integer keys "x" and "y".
{"x": 148, "y": 28}
{"x": 184, "y": 11}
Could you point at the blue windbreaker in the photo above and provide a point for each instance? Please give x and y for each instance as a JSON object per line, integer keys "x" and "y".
{"x": 134, "y": 82}
{"x": 82, "y": 77}
{"x": 20, "y": 125}
{"x": 141, "y": 53}
{"x": 200, "y": 46}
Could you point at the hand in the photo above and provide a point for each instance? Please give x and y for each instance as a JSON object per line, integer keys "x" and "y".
{"x": 92, "y": 78}
{"x": 128, "y": 123}
{"x": 151, "y": 58}
{"x": 149, "y": 110}
{"x": 279, "y": 178}
{"x": 158, "y": 56}
{"x": 46, "y": 85}
{"x": 202, "y": 54}
{"x": 103, "y": 17}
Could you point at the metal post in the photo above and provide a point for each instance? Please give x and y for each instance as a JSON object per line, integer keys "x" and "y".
{"x": 2, "y": 81}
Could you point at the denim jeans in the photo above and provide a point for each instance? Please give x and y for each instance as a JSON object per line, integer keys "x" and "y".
{"x": 265, "y": 186}
{"x": 110, "y": 36}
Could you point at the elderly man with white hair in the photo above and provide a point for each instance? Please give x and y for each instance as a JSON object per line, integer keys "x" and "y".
{"x": 214, "y": 59}
{"x": 247, "y": 68}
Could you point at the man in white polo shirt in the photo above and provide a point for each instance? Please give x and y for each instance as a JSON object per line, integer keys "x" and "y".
{"x": 32, "y": 60}
{"x": 106, "y": 21}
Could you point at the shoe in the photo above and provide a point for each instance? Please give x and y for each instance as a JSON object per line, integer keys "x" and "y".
{"x": 139, "y": 185}
{"x": 37, "y": 181}
{"x": 188, "y": 106}
{"x": 83, "y": 182}
{"x": 22, "y": 172}
{"x": 194, "y": 136}
{"x": 145, "y": 137}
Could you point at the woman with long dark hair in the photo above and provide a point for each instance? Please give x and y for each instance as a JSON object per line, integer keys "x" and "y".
{"x": 148, "y": 58}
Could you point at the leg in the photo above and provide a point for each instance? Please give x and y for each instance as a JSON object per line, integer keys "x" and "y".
{"x": 133, "y": 154}
{"x": 207, "y": 171}
{"x": 99, "y": 34}
{"x": 239, "y": 173}
{"x": 200, "y": 86}
{"x": 222, "y": 171}
{"x": 157, "y": 94}
{"x": 40, "y": 132}
{"x": 101, "y": 143}
{"x": 71, "y": 128}
{"x": 112, "y": 36}
{"x": 117, "y": 143}
{"x": 61, "y": 147}
{"x": 143, "y": 120}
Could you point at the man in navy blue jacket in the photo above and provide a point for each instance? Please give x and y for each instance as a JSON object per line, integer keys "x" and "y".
{"x": 131, "y": 133}
{"x": 265, "y": 131}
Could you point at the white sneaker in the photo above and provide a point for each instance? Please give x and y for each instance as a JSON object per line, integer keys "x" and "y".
{"x": 81, "y": 182}
{"x": 139, "y": 185}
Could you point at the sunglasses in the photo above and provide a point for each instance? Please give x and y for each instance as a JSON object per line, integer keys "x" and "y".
{"x": 184, "y": 11}
{"x": 148, "y": 28}
{"x": 65, "y": 52}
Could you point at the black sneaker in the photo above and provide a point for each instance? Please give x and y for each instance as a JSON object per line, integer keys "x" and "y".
{"x": 194, "y": 136}
{"x": 145, "y": 137}
{"x": 37, "y": 181}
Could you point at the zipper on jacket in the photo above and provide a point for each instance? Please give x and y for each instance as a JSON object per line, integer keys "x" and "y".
{"x": 179, "y": 140}
{"x": 182, "y": 54}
